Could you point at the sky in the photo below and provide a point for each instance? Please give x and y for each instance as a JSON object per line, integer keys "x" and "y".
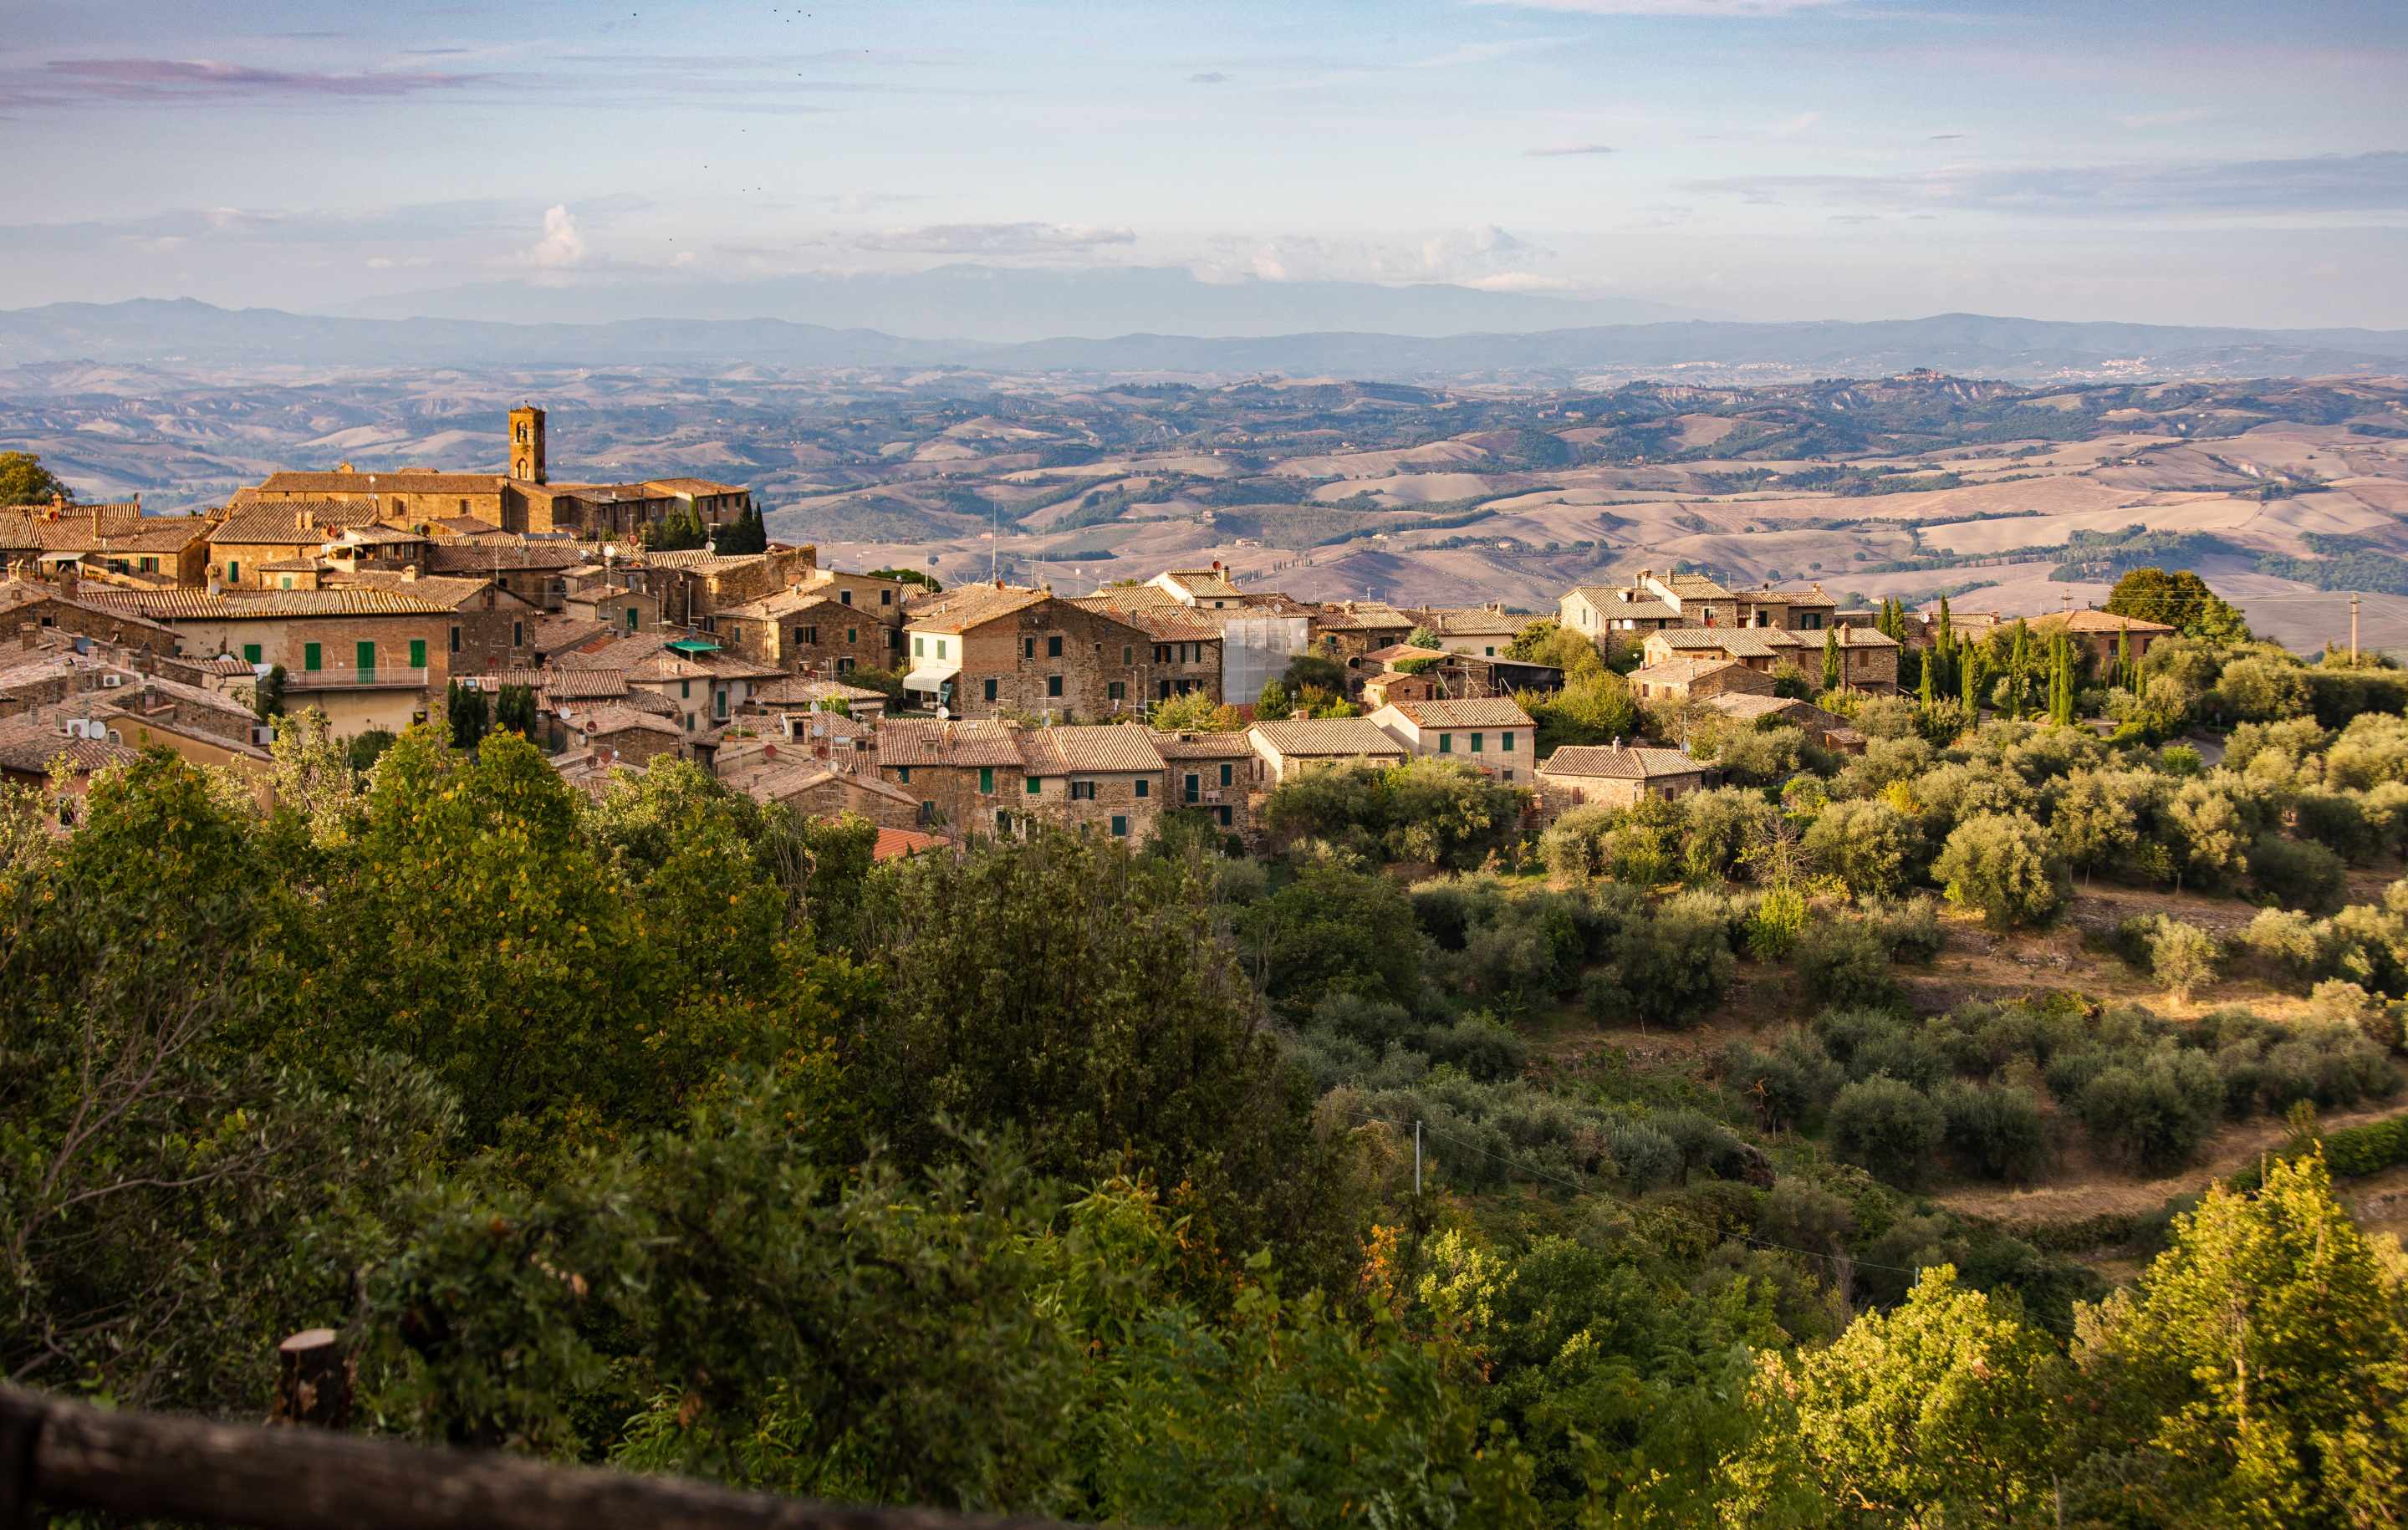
{"x": 2216, "y": 163}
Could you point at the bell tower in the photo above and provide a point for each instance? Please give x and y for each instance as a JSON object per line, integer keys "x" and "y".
{"x": 526, "y": 444}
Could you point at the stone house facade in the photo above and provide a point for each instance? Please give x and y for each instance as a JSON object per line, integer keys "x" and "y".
{"x": 1615, "y": 775}
{"x": 987, "y": 649}
{"x": 1493, "y": 735}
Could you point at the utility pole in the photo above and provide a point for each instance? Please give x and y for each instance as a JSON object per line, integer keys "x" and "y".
{"x": 2353, "y": 626}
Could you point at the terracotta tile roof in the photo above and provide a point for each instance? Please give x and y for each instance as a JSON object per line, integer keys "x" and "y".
{"x": 794, "y": 690}
{"x": 786, "y": 603}
{"x": 1490, "y": 713}
{"x": 1397, "y": 653}
{"x": 1693, "y": 587}
{"x": 556, "y": 634}
{"x": 1170, "y": 624}
{"x": 485, "y": 556}
{"x": 1131, "y": 597}
{"x": 1075, "y": 750}
{"x": 1682, "y": 671}
{"x": 273, "y": 522}
{"x": 1204, "y": 583}
{"x": 698, "y": 560}
{"x": 1362, "y": 616}
{"x": 450, "y": 593}
{"x": 893, "y": 844}
{"x": 1739, "y": 642}
{"x": 561, "y": 685}
{"x": 1811, "y": 595}
{"x": 1638, "y": 610}
{"x": 1201, "y": 746}
{"x": 2088, "y": 621}
{"x": 247, "y": 604}
{"x": 1473, "y": 621}
{"x": 691, "y": 486}
{"x": 904, "y": 742}
{"x": 1327, "y": 736}
{"x": 289, "y": 565}
{"x": 603, "y": 720}
{"x": 72, "y": 530}
{"x": 1867, "y": 638}
{"x": 30, "y": 740}
{"x": 1619, "y": 761}
{"x": 974, "y": 605}
{"x": 408, "y": 480}
{"x": 665, "y": 665}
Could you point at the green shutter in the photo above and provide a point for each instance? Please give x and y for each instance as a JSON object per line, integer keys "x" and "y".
{"x": 312, "y": 657}
{"x": 1034, "y": 786}
{"x": 1446, "y": 743}
{"x": 986, "y": 778}
{"x": 1120, "y": 827}
{"x": 364, "y": 658}
{"x": 250, "y": 653}
{"x": 1508, "y": 740}
{"x": 417, "y": 653}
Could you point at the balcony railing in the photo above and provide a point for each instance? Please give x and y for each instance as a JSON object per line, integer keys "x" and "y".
{"x": 376, "y": 678}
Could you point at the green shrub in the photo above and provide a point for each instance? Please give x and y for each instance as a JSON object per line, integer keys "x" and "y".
{"x": 1846, "y": 961}
{"x": 1774, "y": 925}
{"x": 1648, "y": 1159}
{"x": 1997, "y": 1131}
{"x": 1867, "y": 844}
{"x": 1668, "y": 968}
{"x": 2335, "y": 821}
{"x": 1888, "y": 1127}
{"x": 2296, "y": 874}
{"x": 2182, "y": 956}
{"x": 2002, "y": 866}
{"x": 1787, "y": 1087}
{"x": 1909, "y": 927}
{"x": 2155, "y": 1111}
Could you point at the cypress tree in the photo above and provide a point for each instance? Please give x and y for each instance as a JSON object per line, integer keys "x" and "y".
{"x": 2125, "y": 676}
{"x": 1830, "y": 659}
{"x": 463, "y": 708}
{"x": 1923, "y": 686}
{"x": 1970, "y": 671}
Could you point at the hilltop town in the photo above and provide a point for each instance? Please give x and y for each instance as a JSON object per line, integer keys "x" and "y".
{"x": 383, "y": 600}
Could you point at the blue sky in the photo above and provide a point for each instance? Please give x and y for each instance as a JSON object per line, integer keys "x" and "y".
{"x": 2219, "y": 161}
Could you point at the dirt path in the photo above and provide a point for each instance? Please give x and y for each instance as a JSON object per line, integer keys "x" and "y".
{"x": 2076, "y": 1194}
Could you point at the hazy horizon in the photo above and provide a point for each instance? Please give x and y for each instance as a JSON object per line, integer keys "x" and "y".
{"x": 1769, "y": 160}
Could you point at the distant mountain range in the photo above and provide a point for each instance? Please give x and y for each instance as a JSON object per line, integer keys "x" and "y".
{"x": 183, "y": 336}
{"x": 1002, "y": 305}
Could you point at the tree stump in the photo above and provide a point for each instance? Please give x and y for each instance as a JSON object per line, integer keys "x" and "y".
{"x": 313, "y": 1381}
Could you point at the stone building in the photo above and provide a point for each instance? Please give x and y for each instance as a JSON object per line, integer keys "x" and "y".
{"x": 809, "y": 631}
{"x": 1216, "y": 774}
{"x": 1615, "y": 776}
{"x": 1288, "y": 748}
{"x": 1493, "y": 736}
{"x": 989, "y": 649}
{"x": 1485, "y": 630}
{"x": 1686, "y": 679}
{"x": 962, "y": 772}
{"x": 1105, "y": 778}
{"x": 491, "y": 628}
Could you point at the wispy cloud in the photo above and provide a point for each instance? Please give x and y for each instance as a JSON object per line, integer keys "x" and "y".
{"x": 167, "y": 79}
{"x": 2371, "y": 183}
{"x": 1482, "y": 254}
{"x": 2143, "y": 121}
{"x": 1569, "y": 149}
{"x": 1030, "y": 238}
{"x": 1711, "y": 9}
{"x": 1945, "y": 137}
{"x": 563, "y": 245}
{"x": 1789, "y": 127}
{"x": 1210, "y": 77}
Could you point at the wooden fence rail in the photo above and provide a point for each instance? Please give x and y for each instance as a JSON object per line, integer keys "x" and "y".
{"x": 63, "y": 1455}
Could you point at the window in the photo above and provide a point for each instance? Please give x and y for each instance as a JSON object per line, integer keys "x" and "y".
{"x": 1507, "y": 773}
{"x": 250, "y": 653}
{"x": 1479, "y": 743}
{"x": 1113, "y": 690}
{"x": 234, "y": 571}
{"x": 986, "y": 778}
{"x": 417, "y": 653}
{"x": 812, "y": 636}
{"x": 1129, "y": 653}
{"x": 456, "y": 639}
{"x": 844, "y": 666}
{"x": 886, "y": 597}
{"x": 1490, "y": 651}
{"x": 927, "y": 812}
{"x": 518, "y": 635}
{"x": 919, "y": 648}
{"x": 1505, "y": 741}
{"x": 1053, "y": 685}
{"x": 1145, "y": 787}
{"x": 1120, "y": 827}
{"x": 150, "y": 565}
{"x": 364, "y": 658}
{"x": 1035, "y": 786}
{"x": 631, "y": 620}
{"x": 844, "y": 596}
{"x": 312, "y": 657}
{"x": 903, "y": 774}
{"x": 1029, "y": 648}
{"x": 685, "y": 689}
{"x": 719, "y": 701}
{"x": 1195, "y": 787}
{"x": 284, "y": 581}
{"x": 1228, "y": 774}
{"x": 1083, "y": 790}
{"x": 940, "y": 648}
{"x": 852, "y": 634}
{"x": 1224, "y": 818}
{"x": 799, "y": 638}
{"x": 989, "y": 689}
{"x": 1053, "y": 647}
{"x": 1446, "y": 743}
{"x": 1002, "y": 823}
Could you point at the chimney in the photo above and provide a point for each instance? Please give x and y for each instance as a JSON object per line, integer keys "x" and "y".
{"x": 300, "y": 519}
{"x": 408, "y": 573}
{"x": 1299, "y": 715}
{"x": 69, "y": 577}
{"x": 344, "y": 467}
{"x": 29, "y": 636}
{"x": 58, "y": 500}
{"x": 998, "y": 581}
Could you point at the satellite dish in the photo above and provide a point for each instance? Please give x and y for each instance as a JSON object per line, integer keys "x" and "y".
{"x": 944, "y": 713}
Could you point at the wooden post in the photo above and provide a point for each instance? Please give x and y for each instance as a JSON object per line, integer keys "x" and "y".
{"x": 313, "y": 1381}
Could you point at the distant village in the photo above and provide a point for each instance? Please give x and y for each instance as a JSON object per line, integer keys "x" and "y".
{"x": 376, "y": 598}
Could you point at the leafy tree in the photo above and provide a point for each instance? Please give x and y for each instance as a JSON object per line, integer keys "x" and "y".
{"x": 1939, "y": 1413}
{"x": 1313, "y": 671}
{"x": 2182, "y": 956}
{"x": 2003, "y": 865}
{"x": 919, "y": 576}
{"x": 1668, "y": 968}
{"x": 1597, "y": 708}
{"x": 514, "y": 710}
{"x": 24, "y": 479}
{"x": 463, "y": 708}
{"x": 2252, "y": 1376}
{"x": 1197, "y": 712}
{"x": 678, "y": 529}
{"x": 368, "y": 747}
{"x": 747, "y": 533}
{"x": 267, "y": 695}
{"x": 1867, "y": 844}
{"x": 1887, "y": 1125}
{"x": 2179, "y": 599}
{"x": 1274, "y": 703}
{"x": 1424, "y": 637}
{"x": 1331, "y": 932}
